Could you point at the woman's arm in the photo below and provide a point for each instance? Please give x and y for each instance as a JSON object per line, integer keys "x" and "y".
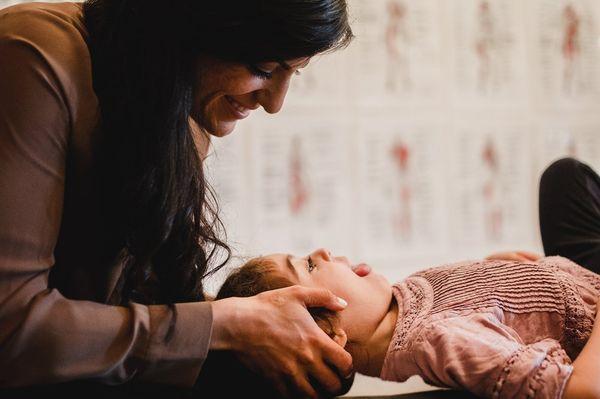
{"x": 274, "y": 334}
{"x": 44, "y": 336}
{"x": 585, "y": 380}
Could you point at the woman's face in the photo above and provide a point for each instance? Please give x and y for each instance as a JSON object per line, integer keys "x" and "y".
{"x": 369, "y": 294}
{"x": 226, "y": 92}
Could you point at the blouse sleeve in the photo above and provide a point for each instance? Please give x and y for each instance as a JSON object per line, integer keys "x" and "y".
{"x": 45, "y": 337}
{"x": 479, "y": 354}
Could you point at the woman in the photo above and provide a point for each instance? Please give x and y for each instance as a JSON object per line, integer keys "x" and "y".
{"x": 106, "y": 223}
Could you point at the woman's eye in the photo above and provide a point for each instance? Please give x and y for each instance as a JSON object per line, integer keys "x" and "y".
{"x": 256, "y": 71}
{"x": 311, "y": 265}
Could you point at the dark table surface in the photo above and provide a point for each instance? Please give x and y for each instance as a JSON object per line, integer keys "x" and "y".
{"x": 421, "y": 395}
{"x": 98, "y": 391}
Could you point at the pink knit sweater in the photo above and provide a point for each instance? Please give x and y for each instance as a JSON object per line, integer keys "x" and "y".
{"x": 498, "y": 329}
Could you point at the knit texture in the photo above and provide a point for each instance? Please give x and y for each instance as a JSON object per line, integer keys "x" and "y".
{"x": 496, "y": 328}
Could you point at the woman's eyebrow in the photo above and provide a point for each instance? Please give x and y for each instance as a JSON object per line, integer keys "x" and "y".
{"x": 287, "y": 67}
{"x": 288, "y": 262}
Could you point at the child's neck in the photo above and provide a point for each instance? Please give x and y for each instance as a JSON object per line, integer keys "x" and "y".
{"x": 368, "y": 356}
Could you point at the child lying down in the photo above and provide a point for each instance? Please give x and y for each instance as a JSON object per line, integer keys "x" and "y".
{"x": 497, "y": 328}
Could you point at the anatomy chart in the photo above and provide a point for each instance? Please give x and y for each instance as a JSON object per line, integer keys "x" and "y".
{"x": 225, "y": 171}
{"x": 302, "y": 195}
{"x": 567, "y": 49}
{"x": 401, "y": 188}
{"x": 396, "y": 52}
{"x": 422, "y": 141}
{"x": 322, "y": 81}
{"x": 489, "y": 187}
{"x": 487, "y": 49}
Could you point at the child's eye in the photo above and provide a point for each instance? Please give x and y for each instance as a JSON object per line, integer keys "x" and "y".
{"x": 311, "y": 265}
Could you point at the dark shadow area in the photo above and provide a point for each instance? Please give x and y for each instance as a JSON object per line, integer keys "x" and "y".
{"x": 94, "y": 390}
{"x": 222, "y": 388}
{"x": 222, "y": 376}
{"x": 440, "y": 394}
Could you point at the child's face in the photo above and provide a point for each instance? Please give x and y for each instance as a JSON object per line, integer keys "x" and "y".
{"x": 368, "y": 294}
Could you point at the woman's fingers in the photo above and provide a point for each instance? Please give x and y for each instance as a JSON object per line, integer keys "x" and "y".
{"x": 517, "y": 256}
{"x": 319, "y": 298}
{"x": 505, "y": 256}
{"x": 303, "y": 388}
{"x": 338, "y": 357}
{"x": 325, "y": 352}
{"x": 529, "y": 255}
{"x": 332, "y": 353}
{"x": 279, "y": 339}
{"x": 325, "y": 377}
{"x": 281, "y": 388}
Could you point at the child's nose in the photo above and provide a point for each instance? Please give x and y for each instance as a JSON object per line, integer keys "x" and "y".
{"x": 323, "y": 253}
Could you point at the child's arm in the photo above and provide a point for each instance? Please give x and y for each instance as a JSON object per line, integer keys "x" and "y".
{"x": 478, "y": 353}
{"x": 585, "y": 380}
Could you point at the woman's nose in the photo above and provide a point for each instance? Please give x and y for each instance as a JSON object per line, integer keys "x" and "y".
{"x": 272, "y": 96}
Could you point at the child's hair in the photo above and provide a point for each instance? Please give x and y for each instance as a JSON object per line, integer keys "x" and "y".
{"x": 255, "y": 276}
{"x": 261, "y": 274}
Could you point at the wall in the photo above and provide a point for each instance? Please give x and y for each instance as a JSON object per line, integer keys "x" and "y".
{"x": 420, "y": 144}
{"x": 423, "y": 142}
{"x": 423, "y": 149}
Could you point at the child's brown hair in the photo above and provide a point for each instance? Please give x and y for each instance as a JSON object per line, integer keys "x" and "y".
{"x": 262, "y": 274}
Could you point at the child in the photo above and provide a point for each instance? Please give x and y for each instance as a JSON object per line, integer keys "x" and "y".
{"x": 500, "y": 329}
{"x": 497, "y": 328}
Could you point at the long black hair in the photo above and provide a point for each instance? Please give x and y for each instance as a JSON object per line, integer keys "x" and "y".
{"x": 161, "y": 219}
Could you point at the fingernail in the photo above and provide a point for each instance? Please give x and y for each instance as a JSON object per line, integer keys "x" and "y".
{"x": 342, "y": 302}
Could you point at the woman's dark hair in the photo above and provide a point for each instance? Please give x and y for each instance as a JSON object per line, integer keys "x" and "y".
{"x": 161, "y": 219}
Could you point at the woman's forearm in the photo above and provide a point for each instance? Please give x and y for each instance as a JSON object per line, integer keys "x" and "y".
{"x": 225, "y": 318}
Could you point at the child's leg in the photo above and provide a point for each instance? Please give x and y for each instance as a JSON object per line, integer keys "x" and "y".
{"x": 569, "y": 206}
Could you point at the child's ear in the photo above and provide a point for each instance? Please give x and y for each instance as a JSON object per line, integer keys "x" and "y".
{"x": 340, "y": 337}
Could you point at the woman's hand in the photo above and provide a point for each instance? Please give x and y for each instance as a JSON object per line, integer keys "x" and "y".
{"x": 518, "y": 256}
{"x": 274, "y": 334}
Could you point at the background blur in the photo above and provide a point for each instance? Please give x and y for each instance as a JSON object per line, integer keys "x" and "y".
{"x": 420, "y": 144}
{"x": 423, "y": 142}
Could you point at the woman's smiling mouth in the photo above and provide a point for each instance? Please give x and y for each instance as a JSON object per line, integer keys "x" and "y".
{"x": 238, "y": 109}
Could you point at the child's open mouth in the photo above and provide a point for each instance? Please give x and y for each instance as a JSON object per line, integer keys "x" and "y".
{"x": 362, "y": 269}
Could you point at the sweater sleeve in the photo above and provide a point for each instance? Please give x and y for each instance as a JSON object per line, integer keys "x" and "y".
{"x": 479, "y": 354}
{"x": 45, "y": 337}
